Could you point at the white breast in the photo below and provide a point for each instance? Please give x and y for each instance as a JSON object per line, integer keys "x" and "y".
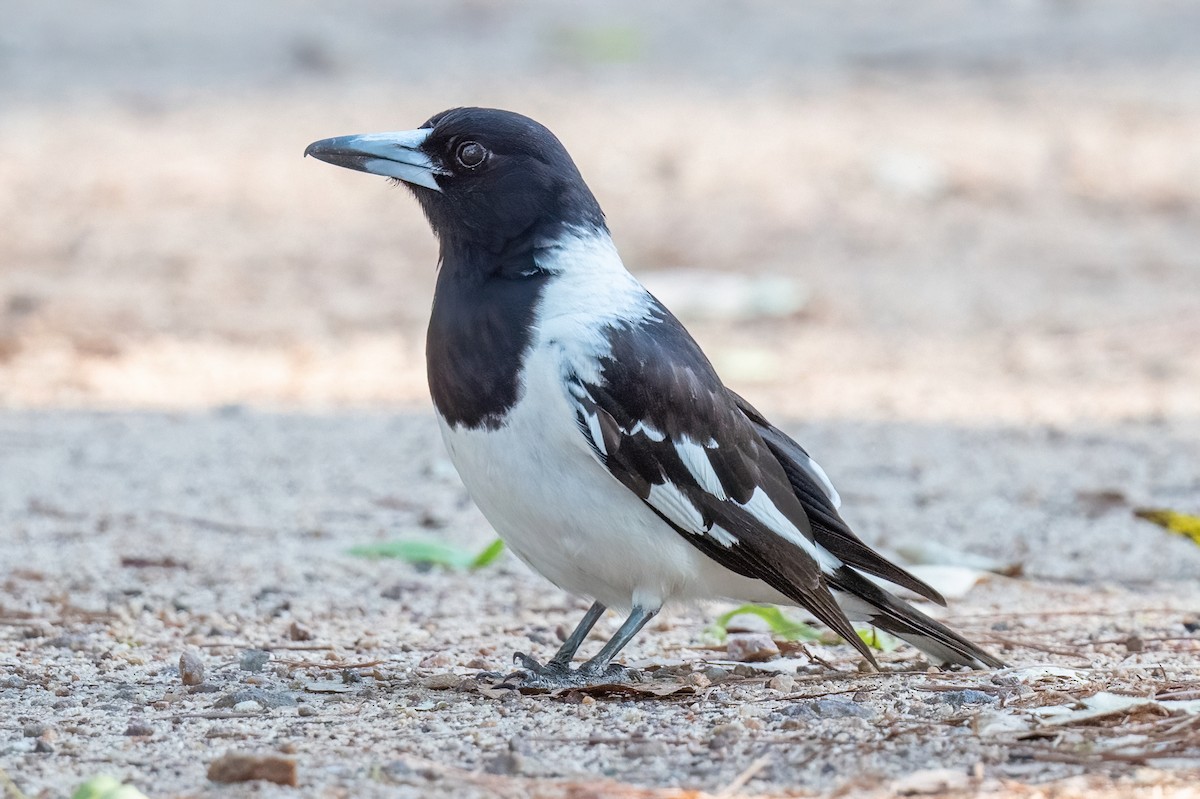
{"x": 538, "y": 483}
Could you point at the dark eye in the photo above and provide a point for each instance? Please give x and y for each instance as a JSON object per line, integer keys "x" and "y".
{"x": 471, "y": 154}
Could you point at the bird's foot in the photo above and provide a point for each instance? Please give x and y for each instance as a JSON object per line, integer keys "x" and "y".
{"x": 556, "y": 674}
{"x": 552, "y": 669}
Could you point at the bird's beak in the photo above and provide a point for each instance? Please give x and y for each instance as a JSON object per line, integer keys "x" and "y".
{"x": 395, "y": 155}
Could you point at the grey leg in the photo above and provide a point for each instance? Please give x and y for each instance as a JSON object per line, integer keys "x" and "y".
{"x": 560, "y": 664}
{"x": 636, "y": 621}
{"x": 567, "y": 651}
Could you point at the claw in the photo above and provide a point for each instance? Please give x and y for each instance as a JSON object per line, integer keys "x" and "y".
{"x": 555, "y": 673}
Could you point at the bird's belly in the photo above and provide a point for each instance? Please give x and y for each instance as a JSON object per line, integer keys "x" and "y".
{"x": 563, "y": 514}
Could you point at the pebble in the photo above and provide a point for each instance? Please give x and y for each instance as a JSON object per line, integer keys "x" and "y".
{"x": 505, "y": 763}
{"x": 240, "y": 767}
{"x": 751, "y": 648}
{"x": 716, "y": 673}
{"x": 298, "y": 632}
{"x": 257, "y": 695}
{"x": 964, "y": 697}
{"x": 12, "y": 681}
{"x": 249, "y": 706}
{"x": 33, "y": 730}
{"x": 648, "y": 750}
{"x": 253, "y": 659}
{"x": 930, "y": 781}
{"x": 782, "y": 682}
{"x": 139, "y": 729}
{"x": 827, "y": 709}
{"x": 438, "y": 660}
{"x": 191, "y": 668}
{"x": 442, "y": 682}
{"x": 307, "y": 710}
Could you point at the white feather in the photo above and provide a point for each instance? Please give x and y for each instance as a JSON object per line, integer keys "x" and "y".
{"x": 763, "y": 509}
{"x": 695, "y": 459}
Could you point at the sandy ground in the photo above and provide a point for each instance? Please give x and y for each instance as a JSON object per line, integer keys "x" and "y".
{"x": 211, "y": 377}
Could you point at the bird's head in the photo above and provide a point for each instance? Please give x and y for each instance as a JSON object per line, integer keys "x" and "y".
{"x": 484, "y": 177}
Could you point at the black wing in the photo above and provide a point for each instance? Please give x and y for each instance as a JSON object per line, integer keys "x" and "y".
{"x": 820, "y": 502}
{"x": 664, "y": 425}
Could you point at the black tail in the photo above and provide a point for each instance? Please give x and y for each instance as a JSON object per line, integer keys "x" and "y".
{"x": 862, "y": 600}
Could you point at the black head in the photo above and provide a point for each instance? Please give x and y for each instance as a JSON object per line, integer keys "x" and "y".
{"x": 484, "y": 177}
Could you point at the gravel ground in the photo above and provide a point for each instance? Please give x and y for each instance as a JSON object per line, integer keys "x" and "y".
{"x": 987, "y": 216}
{"x": 133, "y": 537}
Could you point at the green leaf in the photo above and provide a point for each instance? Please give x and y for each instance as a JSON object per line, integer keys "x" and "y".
{"x": 781, "y": 626}
{"x": 785, "y": 629}
{"x": 105, "y": 787}
{"x": 430, "y": 553}
{"x": 1182, "y": 524}
{"x": 878, "y": 639}
{"x": 487, "y": 555}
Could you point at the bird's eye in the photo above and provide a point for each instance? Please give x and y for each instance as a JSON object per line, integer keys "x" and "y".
{"x": 471, "y": 154}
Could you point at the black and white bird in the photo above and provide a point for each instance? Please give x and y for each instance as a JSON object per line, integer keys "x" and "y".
{"x": 587, "y": 424}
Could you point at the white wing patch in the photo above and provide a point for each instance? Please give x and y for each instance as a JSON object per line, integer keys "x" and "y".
{"x": 763, "y": 509}
{"x": 723, "y": 536}
{"x": 816, "y": 471}
{"x": 695, "y": 459}
{"x": 668, "y": 500}
{"x": 646, "y": 430}
{"x": 593, "y": 423}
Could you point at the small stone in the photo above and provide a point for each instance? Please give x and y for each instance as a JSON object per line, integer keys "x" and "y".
{"x": 438, "y": 660}
{"x": 782, "y": 682}
{"x": 139, "y": 729}
{"x": 965, "y": 697}
{"x": 480, "y": 663}
{"x": 505, "y": 764}
{"x": 1134, "y": 643}
{"x": 698, "y": 679}
{"x": 827, "y": 709}
{"x": 298, "y": 632}
{"x": 716, "y": 673}
{"x": 12, "y": 681}
{"x": 306, "y": 710}
{"x": 34, "y": 730}
{"x": 249, "y": 706}
{"x": 43, "y": 747}
{"x": 648, "y": 750}
{"x": 751, "y": 648}
{"x": 257, "y": 695}
{"x": 253, "y": 659}
{"x": 742, "y": 670}
{"x": 442, "y": 682}
{"x": 191, "y": 668}
{"x": 931, "y": 781}
{"x": 239, "y": 767}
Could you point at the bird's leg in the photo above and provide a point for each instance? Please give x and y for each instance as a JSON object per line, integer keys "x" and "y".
{"x": 560, "y": 664}
{"x": 600, "y": 664}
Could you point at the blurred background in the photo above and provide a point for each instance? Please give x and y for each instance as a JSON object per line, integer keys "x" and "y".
{"x": 980, "y": 212}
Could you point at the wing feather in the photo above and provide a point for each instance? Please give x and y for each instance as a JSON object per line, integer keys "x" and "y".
{"x": 663, "y": 425}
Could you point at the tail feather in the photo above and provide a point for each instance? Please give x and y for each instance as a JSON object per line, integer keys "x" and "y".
{"x": 864, "y": 601}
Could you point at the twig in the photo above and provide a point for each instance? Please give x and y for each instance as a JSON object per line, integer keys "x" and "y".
{"x": 309, "y": 664}
{"x": 269, "y": 647}
{"x": 740, "y": 781}
{"x": 1034, "y": 646}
